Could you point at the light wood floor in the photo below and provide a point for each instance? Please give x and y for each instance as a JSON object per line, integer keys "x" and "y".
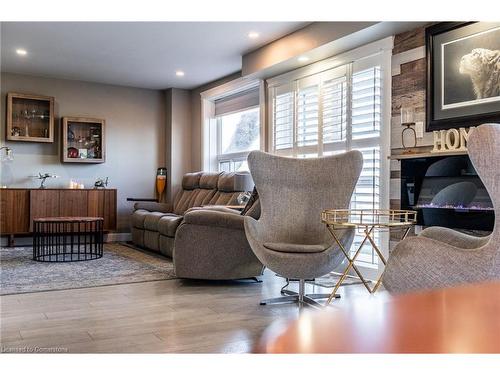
{"x": 152, "y": 317}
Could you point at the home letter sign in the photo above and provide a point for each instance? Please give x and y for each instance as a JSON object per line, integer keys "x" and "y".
{"x": 451, "y": 140}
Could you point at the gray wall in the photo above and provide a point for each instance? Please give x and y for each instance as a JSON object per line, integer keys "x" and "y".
{"x": 135, "y": 137}
{"x": 196, "y": 164}
{"x": 178, "y": 156}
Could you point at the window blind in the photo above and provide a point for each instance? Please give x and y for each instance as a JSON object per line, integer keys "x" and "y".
{"x": 237, "y": 102}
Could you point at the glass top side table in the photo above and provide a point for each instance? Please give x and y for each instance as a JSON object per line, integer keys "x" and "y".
{"x": 365, "y": 221}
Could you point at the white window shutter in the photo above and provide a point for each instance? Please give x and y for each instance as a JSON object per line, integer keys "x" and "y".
{"x": 334, "y": 100}
{"x": 307, "y": 115}
{"x": 283, "y": 114}
{"x": 366, "y": 99}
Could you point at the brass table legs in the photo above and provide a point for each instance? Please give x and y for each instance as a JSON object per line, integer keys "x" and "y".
{"x": 368, "y": 237}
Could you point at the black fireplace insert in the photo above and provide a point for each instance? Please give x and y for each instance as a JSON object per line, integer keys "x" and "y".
{"x": 446, "y": 191}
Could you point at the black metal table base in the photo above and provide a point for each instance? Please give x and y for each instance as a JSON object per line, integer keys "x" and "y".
{"x": 67, "y": 239}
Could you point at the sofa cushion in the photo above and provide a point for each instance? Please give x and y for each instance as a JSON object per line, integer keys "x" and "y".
{"x": 201, "y": 197}
{"x": 225, "y": 218}
{"x": 183, "y": 201}
{"x": 222, "y": 198}
{"x": 151, "y": 220}
{"x": 167, "y": 225}
{"x": 191, "y": 181}
{"x": 138, "y": 218}
{"x": 294, "y": 248}
{"x": 153, "y": 206}
{"x": 209, "y": 180}
{"x": 226, "y": 182}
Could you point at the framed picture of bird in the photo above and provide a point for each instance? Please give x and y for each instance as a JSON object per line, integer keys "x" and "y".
{"x": 463, "y": 74}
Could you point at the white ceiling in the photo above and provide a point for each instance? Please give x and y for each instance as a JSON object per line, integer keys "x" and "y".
{"x": 138, "y": 54}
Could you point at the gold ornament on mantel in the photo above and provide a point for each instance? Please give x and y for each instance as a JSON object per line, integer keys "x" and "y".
{"x": 451, "y": 140}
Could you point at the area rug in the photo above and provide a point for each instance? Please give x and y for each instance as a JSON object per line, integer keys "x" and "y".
{"x": 120, "y": 264}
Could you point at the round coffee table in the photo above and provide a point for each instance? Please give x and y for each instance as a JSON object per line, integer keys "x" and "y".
{"x": 67, "y": 239}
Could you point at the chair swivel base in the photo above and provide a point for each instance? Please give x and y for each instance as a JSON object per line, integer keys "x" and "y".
{"x": 294, "y": 297}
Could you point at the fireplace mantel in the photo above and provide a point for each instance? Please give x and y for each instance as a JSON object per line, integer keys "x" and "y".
{"x": 415, "y": 155}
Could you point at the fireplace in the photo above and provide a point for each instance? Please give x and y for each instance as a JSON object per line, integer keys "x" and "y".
{"x": 446, "y": 191}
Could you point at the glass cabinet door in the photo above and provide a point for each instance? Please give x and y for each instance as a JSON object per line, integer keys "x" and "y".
{"x": 30, "y": 118}
{"x": 83, "y": 140}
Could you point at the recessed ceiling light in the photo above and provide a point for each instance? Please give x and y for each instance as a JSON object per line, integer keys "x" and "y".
{"x": 21, "y": 52}
{"x": 303, "y": 58}
{"x": 179, "y": 73}
{"x": 253, "y": 34}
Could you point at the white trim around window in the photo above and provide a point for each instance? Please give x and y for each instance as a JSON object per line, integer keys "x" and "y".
{"x": 209, "y": 132}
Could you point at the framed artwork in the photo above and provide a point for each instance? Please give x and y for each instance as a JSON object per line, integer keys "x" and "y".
{"x": 463, "y": 74}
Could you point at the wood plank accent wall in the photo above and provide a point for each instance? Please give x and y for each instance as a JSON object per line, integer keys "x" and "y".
{"x": 408, "y": 90}
{"x": 20, "y": 206}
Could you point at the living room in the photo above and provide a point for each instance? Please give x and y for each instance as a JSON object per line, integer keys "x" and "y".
{"x": 291, "y": 185}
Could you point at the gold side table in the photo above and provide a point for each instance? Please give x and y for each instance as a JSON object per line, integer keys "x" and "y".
{"x": 366, "y": 221}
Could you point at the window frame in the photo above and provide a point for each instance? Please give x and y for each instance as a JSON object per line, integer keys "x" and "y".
{"x": 209, "y": 143}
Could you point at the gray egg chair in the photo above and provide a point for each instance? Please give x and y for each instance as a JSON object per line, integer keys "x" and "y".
{"x": 289, "y": 237}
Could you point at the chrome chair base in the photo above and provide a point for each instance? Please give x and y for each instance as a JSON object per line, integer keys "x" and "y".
{"x": 302, "y": 299}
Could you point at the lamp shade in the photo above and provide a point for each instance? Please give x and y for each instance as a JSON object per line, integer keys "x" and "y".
{"x": 243, "y": 181}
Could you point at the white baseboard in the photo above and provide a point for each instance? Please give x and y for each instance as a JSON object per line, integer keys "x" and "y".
{"x": 28, "y": 240}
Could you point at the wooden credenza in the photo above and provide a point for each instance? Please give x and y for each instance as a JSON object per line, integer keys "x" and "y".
{"x": 18, "y": 207}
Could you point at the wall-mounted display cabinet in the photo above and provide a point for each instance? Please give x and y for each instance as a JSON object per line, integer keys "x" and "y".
{"x": 30, "y": 118}
{"x": 83, "y": 140}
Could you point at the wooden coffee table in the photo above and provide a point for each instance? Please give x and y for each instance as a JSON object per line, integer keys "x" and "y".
{"x": 463, "y": 319}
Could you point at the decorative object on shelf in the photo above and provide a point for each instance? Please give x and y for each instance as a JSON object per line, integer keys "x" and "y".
{"x": 76, "y": 185}
{"x": 161, "y": 182}
{"x": 82, "y": 153}
{"x": 451, "y": 140}
{"x": 72, "y": 152}
{"x": 8, "y": 154}
{"x": 30, "y": 118}
{"x": 462, "y": 74}
{"x": 408, "y": 120}
{"x": 101, "y": 183}
{"x": 83, "y": 140}
{"x": 43, "y": 177}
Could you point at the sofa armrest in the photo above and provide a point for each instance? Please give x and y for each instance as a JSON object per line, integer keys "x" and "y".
{"x": 154, "y": 207}
{"x": 215, "y": 218}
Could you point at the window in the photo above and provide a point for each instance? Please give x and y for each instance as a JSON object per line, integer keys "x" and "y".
{"x": 231, "y": 124}
{"x": 331, "y": 111}
{"x": 238, "y": 134}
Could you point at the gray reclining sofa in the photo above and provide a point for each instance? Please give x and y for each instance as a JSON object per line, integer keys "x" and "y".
{"x": 205, "y": 239}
